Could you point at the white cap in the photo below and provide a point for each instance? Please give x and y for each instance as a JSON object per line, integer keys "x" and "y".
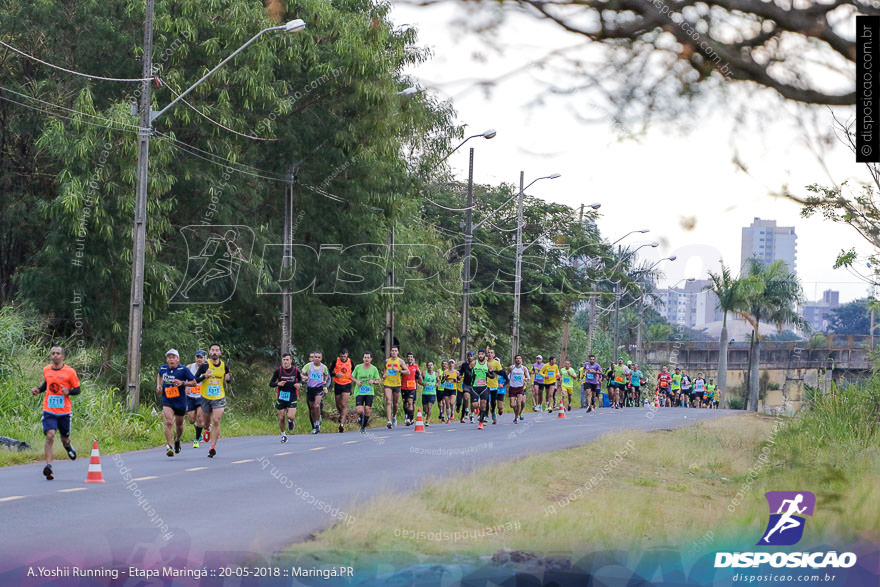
{"x": 172, "y": 352}
{"x": 538, "y": 357}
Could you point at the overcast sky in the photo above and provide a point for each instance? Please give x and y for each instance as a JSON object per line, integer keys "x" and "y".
{"x": 667, "y": 175}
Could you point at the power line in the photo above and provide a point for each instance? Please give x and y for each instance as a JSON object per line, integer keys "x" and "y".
{"x": 50, "y": 113}
{"x": 209, "y": 119}
{"x": 58, "y": 67}
{"x": 72, "y": 110}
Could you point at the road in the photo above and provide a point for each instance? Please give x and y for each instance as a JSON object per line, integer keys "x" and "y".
{"x": 258, "y": 495}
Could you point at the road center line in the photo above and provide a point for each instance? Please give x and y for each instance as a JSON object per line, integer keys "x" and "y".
{"x": 72, "y": 489}
{"x": 196, "y": 468}
{"x": 281, "y": 454}
{"x": 243, "y": 461}
{"x": 350, "y": 442}
{"x": 11, "y": 498}
{"x": 318, "y": 448}
{"x": 145, "y": 478}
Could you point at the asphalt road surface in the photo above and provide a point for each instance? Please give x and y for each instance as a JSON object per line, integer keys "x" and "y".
{"x": 258, "y": 495}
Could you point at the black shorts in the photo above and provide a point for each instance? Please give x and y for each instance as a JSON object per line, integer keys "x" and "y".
{"x": 313, "y": 392}
{"x": 57, "y": 422}
{"x": 179, "y": 409}
{"x": 407, "y": 394}
{"x": 428, "y": 398}
{"x": 340, "y": 388}
{"x": 393, "y": 389}
{"x": 479, "y": 394}
{"x": 281, "y": 405}
{"x": 363, "y": 400}
{"x": 636, "y": 388}
{"x": 595, "y": 387}
{"x": 192, "y": 403}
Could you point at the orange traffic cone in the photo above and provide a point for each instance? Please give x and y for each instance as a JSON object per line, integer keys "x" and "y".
{"x": 656, "y": 399}
{"x": 561, "y": 411}
{"x": 420, "y": 423}
{"x": 95, "y": 475}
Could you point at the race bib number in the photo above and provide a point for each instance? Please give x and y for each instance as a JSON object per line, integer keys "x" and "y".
{"x": 315, "y": 377}
{"x": 449, "y": 385}
{"x": 392, "y": 372}
{"x": 284, "y": 396}
{"x": 663, "y": 384}
{"x": 365, "y": 389}
{"x": 172, "y": 392}
{"x": 566, "y": 381}
{"x": 56, "y": 401}
{"x": 618, "y": 379}
{"x": 591, "y": 376}
{"x": 481, "y": 383}
{"x": 429, "y": 390}
{"x": 212, "y": 391}
{"x": 516, "y": 380}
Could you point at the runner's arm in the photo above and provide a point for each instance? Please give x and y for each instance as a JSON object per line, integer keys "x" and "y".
{"x": 274, "y": 381}
{"x": 40, "y": 389}
{"x": 73, "y": 390}
{"x": 158, "y": 384}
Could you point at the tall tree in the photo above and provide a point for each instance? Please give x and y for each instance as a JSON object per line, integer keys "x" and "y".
{"x": 771, "y": 299}
{"x": 732, "y": 295}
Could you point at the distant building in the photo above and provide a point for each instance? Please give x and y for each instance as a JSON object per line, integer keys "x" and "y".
{"x": 816, "y": 313}
{"x": 689, "y": 306}
{"x": 768, "y": 243}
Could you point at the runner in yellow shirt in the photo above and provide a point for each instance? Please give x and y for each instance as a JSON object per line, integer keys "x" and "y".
{"x": 394, "y": 366}
{"x": 495, "y": 368}
{"x": 550, "y": 373}
{"x": 568, "y": 379}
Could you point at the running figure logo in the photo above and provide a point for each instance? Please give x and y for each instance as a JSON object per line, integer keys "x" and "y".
{"x": 787, "y": 511}
{"x": 212, "y": 272}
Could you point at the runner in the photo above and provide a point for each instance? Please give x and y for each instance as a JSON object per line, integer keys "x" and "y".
{"x": 569, "y": 377}
{"x": 217, "y": 376}
{"x": 172, "y": 376}
{"x": 538, "y": 385}
{"x": 621, "y": 376}
{"x": 549, "y": 374}
{"x": 502, "y": 390}
{"x": 664, "y": 379}
{"x": 636, "y": 379}
{"x": 365, "y": 376}
{"x": 496, "y": 370}
{"x": 609, "y": 389}
{"x": 463, "y": 398}
{"x": 451, "y": 381}
{"x": 441, "y": 391}
{"x": 699, "y": 392}
{"x": 194, "y": 396}
{"x": 675, "y": 386}
{"x": 592, "y": 382}
{"x": 286, "y": 383}
{"x": 713, "y": 394}
{"x": 429, "y": 391}
{"x": 519, "y": 377}
{"x": 342, "y": 385}
{"x": 480, "y": 393}
{"x": 316, "y": 376}
{"x": 686, "y": 389}
{"x": 408, "y": 382}
{"x": 59, "y": 383}
{"x": 394, "y": 366}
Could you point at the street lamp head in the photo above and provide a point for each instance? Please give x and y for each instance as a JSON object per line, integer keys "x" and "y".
{"x": 671, "y": 258}
{"x": 409, "y": 91}
{"x": 489, "y": 134}
{"x": 596, "y": 206}
{"x": 655, "y": 244}
{"x": 644, "y": 231}
{"x": 554, "y": 176}
{"x": 294, "y": 26}
{"x": 691, "y": 279}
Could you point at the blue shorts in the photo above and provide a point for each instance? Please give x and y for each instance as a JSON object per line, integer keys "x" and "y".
{"x": 192, "y": 403}
{"x": 179, "y": 408}
{"x": 59, "y": 422}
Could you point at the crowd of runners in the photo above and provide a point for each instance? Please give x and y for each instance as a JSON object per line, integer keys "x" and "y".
{"x": 471, "y": 392}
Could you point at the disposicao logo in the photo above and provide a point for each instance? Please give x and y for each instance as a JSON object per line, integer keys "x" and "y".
{"x": 788, "y": 511}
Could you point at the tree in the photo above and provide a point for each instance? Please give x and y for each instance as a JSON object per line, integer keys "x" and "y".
{"x": 732, "y": 294}
{"x": 772, "y": 298}
{"x": 851, "y": 318}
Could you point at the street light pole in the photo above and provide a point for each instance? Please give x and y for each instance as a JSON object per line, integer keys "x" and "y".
{"x": 147, "y": 116}
{"x": 517, "y": 283}
{"x": 468, "y": 242}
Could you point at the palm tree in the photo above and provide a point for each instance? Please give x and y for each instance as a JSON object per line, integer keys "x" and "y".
{"x": 772, "y": 299}
{"x": 731, "y": 294}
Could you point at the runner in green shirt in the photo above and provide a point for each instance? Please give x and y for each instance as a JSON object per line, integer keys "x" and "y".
{"x": 364, "y": 377}
{"x": 675, "y": 386}
{"x": 569, "y": 377}
{"x": 429, "y": 391}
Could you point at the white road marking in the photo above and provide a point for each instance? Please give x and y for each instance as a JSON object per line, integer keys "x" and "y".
{"x": 11, "y": 498}
{"x": 145, "y": 478}
{"x": 281, "y": 454}
{"x": 243, "y": 461}
{"x": 197, "y": 468}
{"x": 72, "y": 489}
{"x": 350, "y": 442}
{"x": 318, "y": 448}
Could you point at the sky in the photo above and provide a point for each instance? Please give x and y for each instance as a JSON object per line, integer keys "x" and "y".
{"x": 676, "y": 170}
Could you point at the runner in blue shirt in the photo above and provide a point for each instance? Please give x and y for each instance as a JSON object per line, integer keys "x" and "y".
{"x": 171, "y": 382}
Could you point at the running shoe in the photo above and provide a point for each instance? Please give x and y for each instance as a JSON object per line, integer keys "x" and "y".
{"x": 283, "y": 438}
{"x": 71, "y": 452}
{"x": 480, "y": 426}
{"x": 427, "y": 424}
{"x": 177, "y": 447}
{"x": 195, "y": 444}
{"x": 316, "y": 429}
{"x": 289, "y": 425}
{"x": 169, "y": 451}
{"x": 341, "y": 428}
{"x": 47, "y": 472}
{"x": 521, "y": 417}
{"x": 206, "y": 434}
{"x": 388, "y": 425}
{"x": 212, "y": 452}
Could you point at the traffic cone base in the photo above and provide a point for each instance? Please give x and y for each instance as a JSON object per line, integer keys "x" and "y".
{"x": 561, "y": 411}
{"x": 95, "y": 475}
{"x": 420, "y": 422}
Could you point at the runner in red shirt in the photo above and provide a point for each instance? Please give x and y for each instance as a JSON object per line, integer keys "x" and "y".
{"x": 341, "y": 372}
{"x": 59, "y": 383}
{"x": 663, "y": 381}
{"x": 408, "y": 388}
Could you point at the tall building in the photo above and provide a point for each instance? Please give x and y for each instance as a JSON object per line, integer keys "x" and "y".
{"x": 816, "y": 313}
{"x": 689, "y": 306}
{"x": 769, "y": 243}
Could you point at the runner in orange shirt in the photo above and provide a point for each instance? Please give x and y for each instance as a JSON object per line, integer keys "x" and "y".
{"x": 59, "y": 383}
{"x": 342, "y": 385}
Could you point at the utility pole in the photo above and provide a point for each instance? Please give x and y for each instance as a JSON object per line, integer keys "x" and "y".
{"x": 286, "y": 297}
{"x": 389, "y": 284}
{"x": 566, "y": 320}
{"x": 517, "y": 283}
{"x": 616, "y": 320}
{"x": 639, "y": 331}
{"x": 592, "y": 324}
{"x": 136, "y": 311}
{"x": 468, "y": 241}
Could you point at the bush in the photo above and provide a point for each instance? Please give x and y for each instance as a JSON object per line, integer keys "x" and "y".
{"x": 736, "y": 403}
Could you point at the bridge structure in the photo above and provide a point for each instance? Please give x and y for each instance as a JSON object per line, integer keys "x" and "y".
{"x": 786, "y": 368}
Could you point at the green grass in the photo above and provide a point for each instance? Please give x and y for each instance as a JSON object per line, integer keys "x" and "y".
{"x": 672, "y": 488}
